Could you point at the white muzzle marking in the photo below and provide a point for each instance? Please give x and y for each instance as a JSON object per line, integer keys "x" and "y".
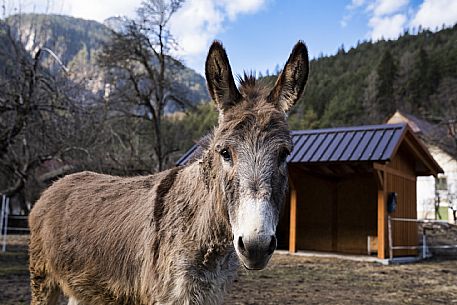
{"x": 255, "y": 217}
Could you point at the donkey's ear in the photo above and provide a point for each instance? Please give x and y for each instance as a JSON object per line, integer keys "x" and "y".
{"x": 290, "y": 84}
{"x": 219, "y": 78}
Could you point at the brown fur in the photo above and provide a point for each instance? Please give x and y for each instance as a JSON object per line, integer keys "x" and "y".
{"x": 164, "y": 238}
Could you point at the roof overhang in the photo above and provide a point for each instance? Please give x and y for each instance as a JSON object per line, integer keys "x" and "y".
{"x": 356, "y": 147}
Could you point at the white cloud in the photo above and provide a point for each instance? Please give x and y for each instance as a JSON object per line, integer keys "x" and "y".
{"x": 345, "y": 20}
{"x": 387, "y": 7}
{"x": 88, "y": 9}
{"x": 388, "y": 27}
{"x": 388, "y": 18}
{"x": 355, "y": 4}
{"x": 102, "y": 9}
{"x": 235, "y": 7}
{"x": 199, "y": 21}
{"x": 435, "y": 13}
{"x": 193, "y": 26}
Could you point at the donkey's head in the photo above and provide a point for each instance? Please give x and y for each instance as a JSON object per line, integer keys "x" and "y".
{"x": 250, "y": 147}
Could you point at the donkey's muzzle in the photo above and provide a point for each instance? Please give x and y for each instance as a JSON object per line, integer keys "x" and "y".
{"x": 255, "y": 252}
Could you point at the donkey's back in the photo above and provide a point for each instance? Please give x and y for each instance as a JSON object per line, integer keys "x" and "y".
{"x": 88, "y": 237}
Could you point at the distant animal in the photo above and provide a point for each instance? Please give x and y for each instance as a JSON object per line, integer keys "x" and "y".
{"x": 179, "y": 236}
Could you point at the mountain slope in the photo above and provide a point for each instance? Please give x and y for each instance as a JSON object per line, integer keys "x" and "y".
{"x": 77, "y": 43}
{"x": 66, "y": 36}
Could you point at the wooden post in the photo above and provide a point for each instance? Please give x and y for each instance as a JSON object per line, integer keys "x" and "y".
{"x": 293, "y": 218}
{"x": 389, "y": 229}
{"x": 334, "y": 215}
{"x": 382, "y": 214}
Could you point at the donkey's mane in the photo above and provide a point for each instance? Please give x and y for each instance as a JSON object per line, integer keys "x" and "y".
{"x": 250, "y": 88}
{"x": 247, "y": 80}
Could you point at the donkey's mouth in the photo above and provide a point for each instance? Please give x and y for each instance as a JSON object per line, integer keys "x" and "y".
{"x": 254, "y": 268}
{"x": 255, "y": 252}
{"x": 258, "y": 265}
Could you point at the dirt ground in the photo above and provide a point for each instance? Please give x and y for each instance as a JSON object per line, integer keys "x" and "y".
{"x": 293, "y": 280}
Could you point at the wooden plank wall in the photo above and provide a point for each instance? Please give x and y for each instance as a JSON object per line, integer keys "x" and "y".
{"x": 283, "y": 228}
{"x": 314, "y": 213}
{"x": 334, "y": 215}
{"x": 357, "y": 213}
{"x": 382, "y": 215}
{"x": 314, "y": 220}
{"x": 403, "y": 182}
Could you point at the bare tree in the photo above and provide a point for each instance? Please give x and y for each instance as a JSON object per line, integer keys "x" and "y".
{"x": 142, "y": 69}
{"x": 452, "y": 199}
{"x": 24, "y": 92}
{"x": 39, "y": 121}
{"x": 444, "y": 133}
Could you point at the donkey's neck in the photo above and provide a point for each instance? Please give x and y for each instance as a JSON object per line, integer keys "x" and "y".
{"x": 191, "y": 237}
{"x": 208, "y": 225}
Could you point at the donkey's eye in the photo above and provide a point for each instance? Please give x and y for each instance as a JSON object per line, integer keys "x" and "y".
{"x": 282, "y": 157}
{"x": 225, "y": 153}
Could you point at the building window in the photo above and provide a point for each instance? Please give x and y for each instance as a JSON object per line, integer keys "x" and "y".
{"x": 441, "y": 183}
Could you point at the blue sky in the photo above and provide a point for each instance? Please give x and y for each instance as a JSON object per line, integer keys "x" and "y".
{"x": 265, "y": 39}
{"x": 259, "y": 34}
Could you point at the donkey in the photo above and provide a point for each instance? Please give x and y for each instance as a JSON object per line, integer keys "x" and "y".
{"x": 179, "y": 236}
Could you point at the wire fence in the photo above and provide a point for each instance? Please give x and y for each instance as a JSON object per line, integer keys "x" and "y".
{"x": 424, "y": 247}
{"x": 5, "y": 216}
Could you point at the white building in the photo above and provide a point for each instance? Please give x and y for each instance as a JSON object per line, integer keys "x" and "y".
{"x": 432, "y": 191}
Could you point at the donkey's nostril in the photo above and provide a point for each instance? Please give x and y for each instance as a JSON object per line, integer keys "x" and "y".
{"x": 272, "y": 246}
{"x": 241, "y": 245}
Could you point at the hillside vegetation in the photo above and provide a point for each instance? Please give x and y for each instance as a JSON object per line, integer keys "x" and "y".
{"x": 416, "y": 74}
{"x": 366, "y": 84}
{"x": 91, "y": 117}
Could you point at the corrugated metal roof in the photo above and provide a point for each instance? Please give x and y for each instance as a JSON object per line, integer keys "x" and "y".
{"x": 361, "y": 143}
{"x": 342, "y": 144}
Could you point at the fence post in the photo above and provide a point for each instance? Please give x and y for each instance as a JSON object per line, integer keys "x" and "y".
{"x": 1, "y": 214}
{"x": 424, "y": 243}
{"x": 5, "y": 223}
{"x": 389, "y": 236}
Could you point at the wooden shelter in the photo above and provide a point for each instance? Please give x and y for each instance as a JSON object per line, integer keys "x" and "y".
{"x": 340, "y": 180}
{"x": 339, "y": 184}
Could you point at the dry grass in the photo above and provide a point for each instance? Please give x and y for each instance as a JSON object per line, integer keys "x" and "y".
{"x": 302, "y": 280}
{"x": 293, "y": 280}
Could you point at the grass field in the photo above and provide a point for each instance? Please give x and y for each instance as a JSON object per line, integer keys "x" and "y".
{"x": 293, "y": 280}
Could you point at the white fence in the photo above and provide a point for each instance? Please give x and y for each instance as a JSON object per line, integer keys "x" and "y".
{"x": 424, "y": 247}
{"x": 4, "y": 216}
